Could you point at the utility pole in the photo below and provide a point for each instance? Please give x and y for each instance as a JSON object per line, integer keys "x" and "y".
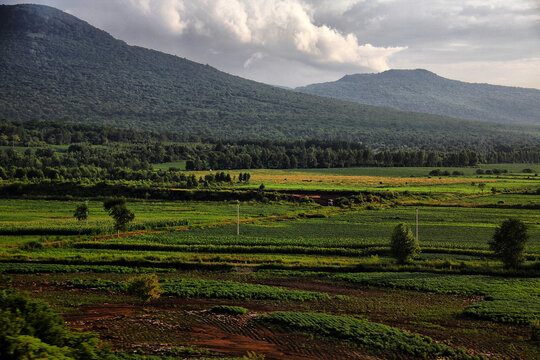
{"x": 237, "y": 218}
{"x": 86, "y": 202}
{"x": 416, "y": 224}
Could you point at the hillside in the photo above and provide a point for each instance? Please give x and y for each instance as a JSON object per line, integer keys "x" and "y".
{"x": 423, "y": 91}
{"x": 59, "y": 68}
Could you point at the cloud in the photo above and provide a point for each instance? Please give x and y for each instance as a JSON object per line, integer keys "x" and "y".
{"x": 255, "y": 57}
{"x": 296, "y": 42}
{"x": 283, "y": 28}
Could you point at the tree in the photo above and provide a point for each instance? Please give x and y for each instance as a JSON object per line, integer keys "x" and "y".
{"x": 116, "y": 207}
{"x": 81, "y": 213}
{"x": 482, "y": 187}
{"x": 508, "y": 242}
{"x": 403, "y": 245}
{"x": 30, "y": 329}
{"x": 146, "y": 287}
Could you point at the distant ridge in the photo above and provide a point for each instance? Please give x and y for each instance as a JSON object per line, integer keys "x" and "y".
{"x": 57, "y": 67}
{"x": 423, "y": 91}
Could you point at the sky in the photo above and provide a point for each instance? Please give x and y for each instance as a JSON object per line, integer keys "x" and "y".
{"x": 298, "y": 42}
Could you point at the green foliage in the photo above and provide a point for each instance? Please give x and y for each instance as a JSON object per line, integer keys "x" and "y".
{"x": 403, "y": 245}
{"x": 116, "y": 207}
{"x": 214, "y": 290}
{"x": 508, "y": 242}
{"x": 510, "y": 300}
{"x": 392, "y": 342}
{"x": 228, "y": 310}
{"x": 34, "y": 268}
{"x": 81, "y": 212}
{"x": 31, "y": 246}
{"x": 31, "y": 330}
{"x": 145, "y": 286}
{"x": 29, "y": 347}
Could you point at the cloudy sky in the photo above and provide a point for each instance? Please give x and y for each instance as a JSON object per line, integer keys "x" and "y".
{"x": 298, "y": 42}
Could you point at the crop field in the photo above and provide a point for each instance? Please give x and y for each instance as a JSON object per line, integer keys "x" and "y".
{"x": 395, "y": 178}
{"x": 301, "y": 280}
{"x": 54, "y": 217}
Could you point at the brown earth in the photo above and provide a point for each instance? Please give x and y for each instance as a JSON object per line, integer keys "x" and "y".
{"x": 134, "y": 328}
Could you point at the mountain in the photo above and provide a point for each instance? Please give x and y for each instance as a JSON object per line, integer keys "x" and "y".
{"x": 423, "y": 91}
{"x": 57, "y": 67}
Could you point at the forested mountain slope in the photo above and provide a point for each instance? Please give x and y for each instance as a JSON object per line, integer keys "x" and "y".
{"x": 57, "y": 67}
{"x": 424, "y": 91}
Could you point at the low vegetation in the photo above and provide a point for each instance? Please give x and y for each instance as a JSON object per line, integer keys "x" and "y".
{"x": 391, "y": 342}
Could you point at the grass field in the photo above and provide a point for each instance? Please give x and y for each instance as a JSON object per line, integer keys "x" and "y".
{"x": 50, "y": 217}
{"x": 305, "y": 273}
{"x": 396, "y": 178}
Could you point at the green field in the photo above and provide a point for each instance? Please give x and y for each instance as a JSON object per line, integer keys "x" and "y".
{"x": 290, "y": 261}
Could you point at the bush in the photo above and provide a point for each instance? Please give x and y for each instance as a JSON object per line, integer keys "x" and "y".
{"x": 31, "y": 245}
{"x": 403, "y": 244}
{"x": 508, "y": 242}
{"x": 30, "y": 329}
{"x": 145, "y": 286}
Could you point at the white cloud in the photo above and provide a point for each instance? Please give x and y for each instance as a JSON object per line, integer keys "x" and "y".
{"x": 283, "y": 28}
{"x": 253, "y": 58}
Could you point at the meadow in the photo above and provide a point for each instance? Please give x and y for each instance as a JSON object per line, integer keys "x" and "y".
{"x": 303, "y": 272}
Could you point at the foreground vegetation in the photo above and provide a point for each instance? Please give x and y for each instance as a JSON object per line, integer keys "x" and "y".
{"x": 295, "y": 256}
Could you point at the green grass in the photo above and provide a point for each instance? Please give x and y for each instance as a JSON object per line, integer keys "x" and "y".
{"x": 418, "y": 171}
{"x": 513, "y": 300}
{"x": 447, "y": 227}
{"x": 21, "y": 216}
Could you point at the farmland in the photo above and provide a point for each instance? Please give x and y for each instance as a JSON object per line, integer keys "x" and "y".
{"x": 302, "y": 280}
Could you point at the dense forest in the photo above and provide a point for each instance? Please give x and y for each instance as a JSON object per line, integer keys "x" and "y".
{"x": 63, "y": 69}
{"x": 35, "y": 151}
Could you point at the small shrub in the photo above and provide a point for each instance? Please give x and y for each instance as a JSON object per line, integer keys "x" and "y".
{"x": 145, "y": 286}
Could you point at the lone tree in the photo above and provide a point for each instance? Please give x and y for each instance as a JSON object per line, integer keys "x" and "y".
{"x": 508, "y": 242}
{"x": 403, "y": 245}
{"x": 146, "y": 287}
{"x": 482, "y": 186}
{"x": 116, "y": 207}
{"x": 81, "y": 214}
